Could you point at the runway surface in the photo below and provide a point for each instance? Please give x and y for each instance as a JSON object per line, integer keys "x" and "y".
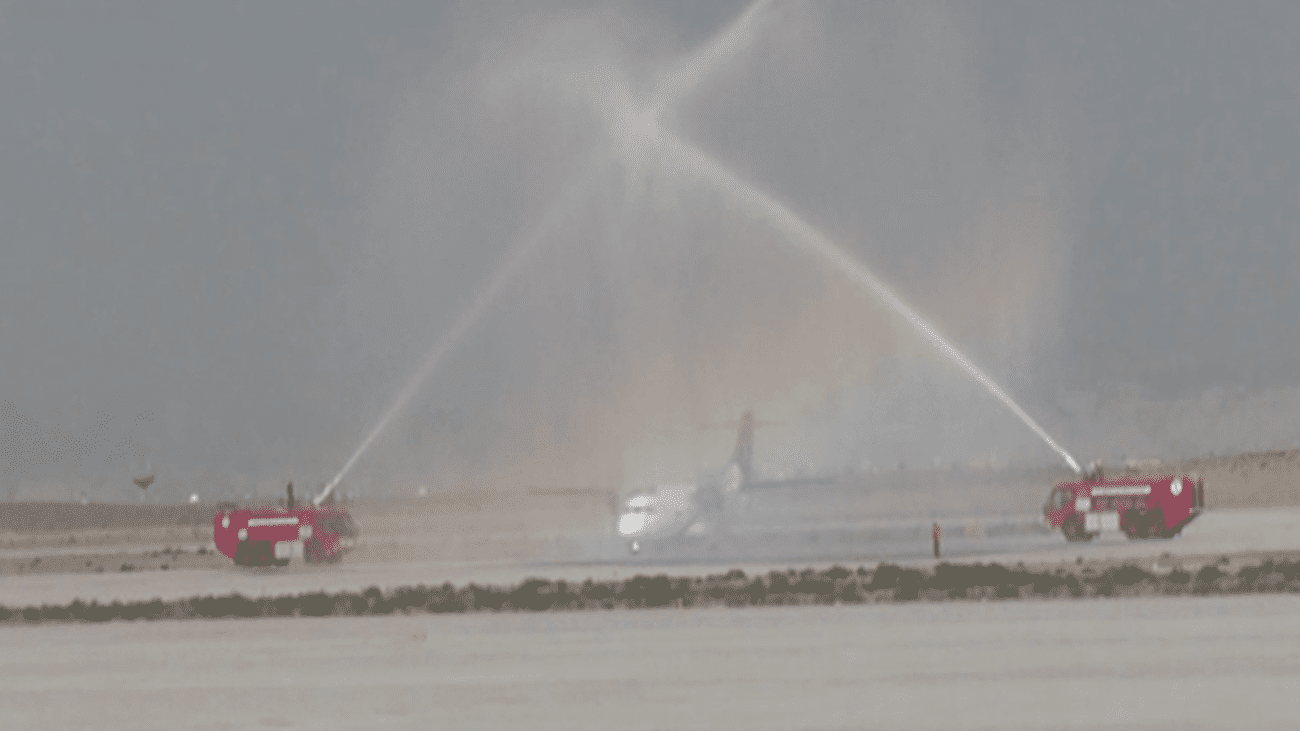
{"x": 396, "y": 563}
{"x": 1125, "y": 663}
{"x": 1173, "y": 663}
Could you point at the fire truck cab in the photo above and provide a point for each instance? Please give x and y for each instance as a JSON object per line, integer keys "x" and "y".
{"x": 1140, "y": 506}
{"x": 271, "y": 536}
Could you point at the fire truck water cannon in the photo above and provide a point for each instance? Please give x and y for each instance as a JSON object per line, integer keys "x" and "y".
{"x": 275, "y": 535}
{"x": 1139, "y": 506}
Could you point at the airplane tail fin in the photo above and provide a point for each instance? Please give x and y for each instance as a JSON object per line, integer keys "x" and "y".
{"x": 744, "y": 454}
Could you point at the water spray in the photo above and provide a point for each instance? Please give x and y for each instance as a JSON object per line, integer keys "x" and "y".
{"x": 765, "y": 206}
{"x": 738, "y": 34}
{"x": 569, "y": 200}
{"x": 638, "y": 131}
{"x": 670, "y": 88}
{"x": 637, "y": 128}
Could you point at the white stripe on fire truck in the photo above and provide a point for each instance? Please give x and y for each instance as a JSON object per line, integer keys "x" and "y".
{"x": 1124, "y": 490}
{"x": 254, "y": 522}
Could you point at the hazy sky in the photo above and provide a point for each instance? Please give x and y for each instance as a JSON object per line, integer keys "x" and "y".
{"x": 229, "y": 233}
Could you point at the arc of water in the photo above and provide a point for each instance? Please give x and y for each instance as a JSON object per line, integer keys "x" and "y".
{"x": 570, "y": 198}
{"x": 696, "y": 161}
{"x": 671, "y": 88}
{"x": 640, "y": 129}
{"x": 738, "y": 34}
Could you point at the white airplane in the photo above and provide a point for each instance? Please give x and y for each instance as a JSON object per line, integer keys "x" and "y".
{"x": 691, "y": 513}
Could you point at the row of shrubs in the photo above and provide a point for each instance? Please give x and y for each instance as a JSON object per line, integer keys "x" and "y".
{"x": 837, "y": 585}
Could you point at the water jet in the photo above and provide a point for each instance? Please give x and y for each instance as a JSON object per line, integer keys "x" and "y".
{"x": 570, "y": 199}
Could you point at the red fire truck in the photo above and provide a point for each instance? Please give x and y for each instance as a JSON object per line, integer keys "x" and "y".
{"x": 1140, "y": 506}
{"x": 272, "y": 536}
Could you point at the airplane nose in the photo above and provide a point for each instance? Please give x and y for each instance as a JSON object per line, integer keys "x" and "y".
{"x": 631, "y": 523}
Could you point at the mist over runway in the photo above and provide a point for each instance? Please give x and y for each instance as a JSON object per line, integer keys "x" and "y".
{"x": 510, "y": 557}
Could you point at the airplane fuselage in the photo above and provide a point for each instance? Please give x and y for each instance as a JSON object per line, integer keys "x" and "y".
{"x": 683, "y": 512}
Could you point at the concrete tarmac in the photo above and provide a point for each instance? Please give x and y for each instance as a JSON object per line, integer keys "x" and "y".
{"x": 1159, "y": 663}
{"x": 1213, "y": 534}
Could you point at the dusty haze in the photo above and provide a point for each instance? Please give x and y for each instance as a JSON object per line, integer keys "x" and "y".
{"x": 230, "y": 234}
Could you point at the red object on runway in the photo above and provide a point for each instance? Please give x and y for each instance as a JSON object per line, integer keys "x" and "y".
{"x": 270, "y": 536}
{"x": 1140, "y": 506}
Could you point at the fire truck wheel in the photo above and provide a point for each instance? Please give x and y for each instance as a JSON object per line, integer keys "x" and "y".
{"x": 1135, "y": 525}
{"x": 312, "y": 552}
{"x": 1074, "y": 532}
{"x": 254, "y": 553}
{"x": 1155, "y": 527}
